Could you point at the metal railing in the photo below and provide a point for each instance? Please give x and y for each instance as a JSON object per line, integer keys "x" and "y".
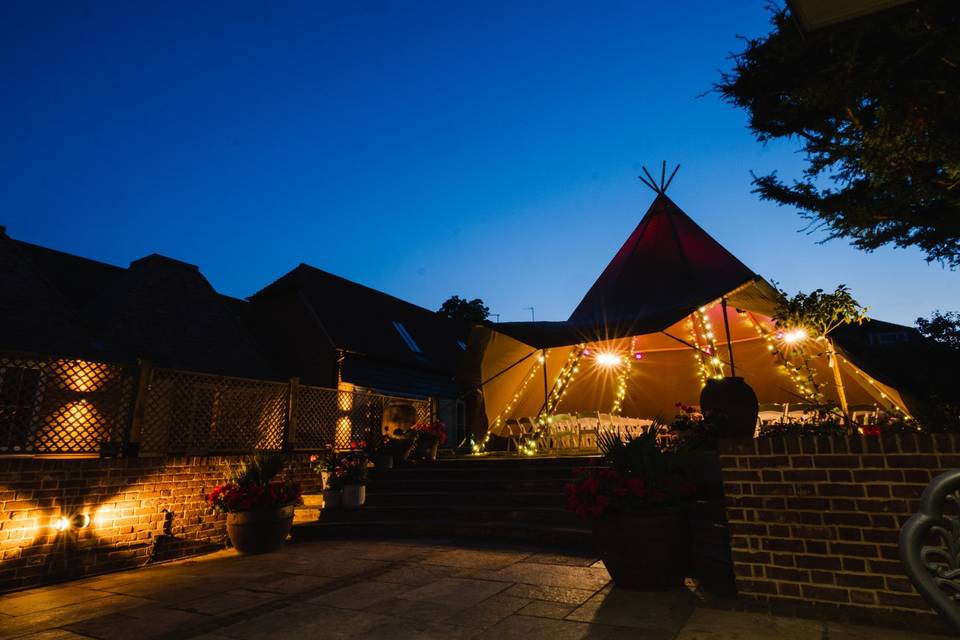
{"x": 54, "y": 405}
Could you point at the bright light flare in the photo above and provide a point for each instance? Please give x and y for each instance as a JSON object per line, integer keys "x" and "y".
{"x": 609, "y": 359}
{"x": 794, "y": 336}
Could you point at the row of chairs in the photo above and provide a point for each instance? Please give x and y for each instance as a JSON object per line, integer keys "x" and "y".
{"x": 797, "y": 413}
{"x": 573, "y": 431}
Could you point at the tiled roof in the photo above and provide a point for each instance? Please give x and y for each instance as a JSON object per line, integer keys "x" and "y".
{"x": 361, "y": 320}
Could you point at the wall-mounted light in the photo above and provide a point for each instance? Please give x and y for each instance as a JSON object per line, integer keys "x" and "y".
{"x": 78, "y": 521}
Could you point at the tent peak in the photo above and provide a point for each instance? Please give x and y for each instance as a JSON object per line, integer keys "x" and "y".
{"x": 664, "y": 181}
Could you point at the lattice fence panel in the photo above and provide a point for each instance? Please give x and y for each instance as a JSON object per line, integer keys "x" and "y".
{"x": 198, "y": 413}
{"x": 327, "y": 418}
{"x": 316, "y": 417}
{"x": 62, "y": 405}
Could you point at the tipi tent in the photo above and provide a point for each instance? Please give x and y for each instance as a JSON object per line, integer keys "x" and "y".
{"x": 672, "y": 309}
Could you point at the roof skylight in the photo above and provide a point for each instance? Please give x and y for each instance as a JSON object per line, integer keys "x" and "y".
{"x": 407, "y": 338}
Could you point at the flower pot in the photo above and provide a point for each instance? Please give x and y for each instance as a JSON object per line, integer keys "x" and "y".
{"x": 734, "y": 402}
{"x": 427, "y": 446}
{"x": 354, "y": 495}
{"x": 324, "y": 480}
{"x": 331, "y": 498}
{"x": 644, "y": 550}
{"x": 259, "y": 531}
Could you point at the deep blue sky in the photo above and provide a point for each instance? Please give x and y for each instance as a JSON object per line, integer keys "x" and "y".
{"x": 425, "y": 149}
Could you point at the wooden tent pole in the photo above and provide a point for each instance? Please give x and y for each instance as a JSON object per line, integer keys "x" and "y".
{"x": 838, "y": 380}
{"x": 726, "y": 326}
{"x": 546, "y": 392}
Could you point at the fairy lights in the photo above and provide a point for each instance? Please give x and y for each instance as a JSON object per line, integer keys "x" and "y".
{"x": 623, "y": 378}
{"x": 803, "y": 376}
{"x": 883, "y": 395}
{"x": 480, "y": 447}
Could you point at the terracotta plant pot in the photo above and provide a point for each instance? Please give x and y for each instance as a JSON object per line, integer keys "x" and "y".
{"x": 354, "y": 495}
{"x": 734, "y": 402}
{"x": 644, "y": 550}
{"x": 259, "y": 531}
{"x": 332, "y": 498}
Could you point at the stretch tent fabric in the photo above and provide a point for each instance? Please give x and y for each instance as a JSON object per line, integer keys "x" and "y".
{"x": 658, "y": 309}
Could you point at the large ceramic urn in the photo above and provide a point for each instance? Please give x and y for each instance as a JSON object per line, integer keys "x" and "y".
{"x": 260, "y": 531}
{"x": 734, "y": 403}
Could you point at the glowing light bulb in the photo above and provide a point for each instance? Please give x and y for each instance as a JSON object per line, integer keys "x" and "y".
{"x": 608, "y": 359}
{"x": 795, "y": 335}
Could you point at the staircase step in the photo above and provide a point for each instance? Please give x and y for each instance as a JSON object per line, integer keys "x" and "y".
{"x": 517, "y": 499}
{"x": 438, "y": 483}
{"x": 460, "y": 513}
{"x": 556, "y": 537}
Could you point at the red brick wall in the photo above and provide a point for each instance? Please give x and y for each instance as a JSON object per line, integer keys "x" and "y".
{"x": 816, "y": 520}
{"x": 142, "y": 510}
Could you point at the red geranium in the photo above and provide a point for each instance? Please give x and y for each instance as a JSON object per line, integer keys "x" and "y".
{"x": 435, "y": 429}
{"x": 231, "y": 497}
{"x": 599, "y": 491}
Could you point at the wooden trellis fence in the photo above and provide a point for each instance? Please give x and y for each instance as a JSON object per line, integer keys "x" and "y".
{"x": 53, "y": 405}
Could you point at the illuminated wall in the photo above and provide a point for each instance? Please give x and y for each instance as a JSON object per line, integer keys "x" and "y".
{"x": 138, "y": 511}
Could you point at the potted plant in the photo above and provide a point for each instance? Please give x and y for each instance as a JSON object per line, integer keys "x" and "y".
{"x": 350, "y": 473}
{"x": 636, "y": 505}
{"x": 324, "y": 464}
{"x": 259, "y": 509}
{"x": 429, "y": 436}
{"x": 381, "y": 452}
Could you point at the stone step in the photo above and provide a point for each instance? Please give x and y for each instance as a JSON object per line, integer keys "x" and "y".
{"x": 474, "y": 498}
{"x": 436, "y": 473}
{"x": 398, "y": 484}
{"x": 470, "y": 462}
{"x": 574, "y": 538}
{"x": 458, "y": 513}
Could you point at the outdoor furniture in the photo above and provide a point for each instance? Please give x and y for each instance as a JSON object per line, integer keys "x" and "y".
{"x": 770, "y": 417}
{"x": 589, "y": 433}
{"x": 864, "y": 414}
{"x": 513, "y": 430}
{"x": 934, "y": 568}
{"x": 563, "y": 434}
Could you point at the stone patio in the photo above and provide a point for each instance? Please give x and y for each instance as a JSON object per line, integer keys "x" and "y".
{"x": 374, "y": 589}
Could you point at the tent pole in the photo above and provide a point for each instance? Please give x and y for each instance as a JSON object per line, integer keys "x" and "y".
{"x": 838, "y": 380}
{"x": 546, "y": 392}
{"x": 726, "y": 326}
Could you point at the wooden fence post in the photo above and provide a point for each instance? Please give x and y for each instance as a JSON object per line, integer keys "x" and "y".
{"x": 290, "y": 427}
{"x": 131, "y": 445}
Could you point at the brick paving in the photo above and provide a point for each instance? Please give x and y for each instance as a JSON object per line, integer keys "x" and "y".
{"x": 377, "y": 589}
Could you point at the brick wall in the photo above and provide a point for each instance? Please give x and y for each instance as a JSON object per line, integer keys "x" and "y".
{"x": 816, "y": 520}
{"x": 142, "y": 510}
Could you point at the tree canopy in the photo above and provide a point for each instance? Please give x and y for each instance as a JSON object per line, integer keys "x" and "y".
{"x": 875, "y": 104}
{"x": 473, "y": 311}
{"x": 942, "y": 327}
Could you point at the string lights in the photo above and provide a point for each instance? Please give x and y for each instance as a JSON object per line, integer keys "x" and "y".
{"x": 480, "y": 447}
{"x": 873, "y": 383}
{"x": 623, "y": 376}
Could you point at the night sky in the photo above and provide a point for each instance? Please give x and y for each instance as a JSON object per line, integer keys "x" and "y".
{"x": 482, "y": 149}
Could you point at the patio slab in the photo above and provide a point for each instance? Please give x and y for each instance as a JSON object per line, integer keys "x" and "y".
{"x": 367, "y": 590}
